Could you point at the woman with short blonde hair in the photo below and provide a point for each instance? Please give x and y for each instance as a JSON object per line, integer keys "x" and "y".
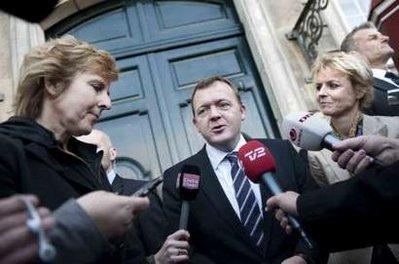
{"x": 343, "y": 88}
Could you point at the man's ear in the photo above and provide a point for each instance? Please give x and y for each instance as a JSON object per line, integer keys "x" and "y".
{"x": 53, "y": 88}
{"x": 243, "y": 111}
{"x": 113, "y": 153}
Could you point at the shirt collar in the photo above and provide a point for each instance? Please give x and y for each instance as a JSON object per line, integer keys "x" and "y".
{"x": 379, "y": 73}
{"x": 216, "y": 156}
{"x": 111, "y": 175}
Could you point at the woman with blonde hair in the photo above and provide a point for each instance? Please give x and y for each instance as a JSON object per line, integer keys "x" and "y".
{"x": 343, "y": 84}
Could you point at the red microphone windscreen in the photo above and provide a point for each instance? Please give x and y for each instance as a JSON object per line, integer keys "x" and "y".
{"x": 256, "y": 159}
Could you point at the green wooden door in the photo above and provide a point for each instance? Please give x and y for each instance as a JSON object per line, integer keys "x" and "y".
{"x": 162, "y": 49}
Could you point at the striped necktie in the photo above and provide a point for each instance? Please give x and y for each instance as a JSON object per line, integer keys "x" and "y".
{"x": 250, "y": 214}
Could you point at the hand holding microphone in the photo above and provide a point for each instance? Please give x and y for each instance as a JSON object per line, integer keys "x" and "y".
{"x": 259, "y": 166}
{"x": 188, "y": 184}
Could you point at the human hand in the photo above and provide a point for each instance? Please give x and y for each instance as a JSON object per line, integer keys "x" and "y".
{"x": 174, "y": 249}
{"x": 281, "y": 204}
{"x": 17, "y": 243}
{"x": 112, "y": 213}
{"x": 294, "y": 260}
{"x": 352, "y": 154}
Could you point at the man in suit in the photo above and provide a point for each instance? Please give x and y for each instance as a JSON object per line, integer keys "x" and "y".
{"x": 374, "y": 47}
{"x": 364, "y": 211}
{"x": 226, "y": 220}
{"x": 149, "y": 240}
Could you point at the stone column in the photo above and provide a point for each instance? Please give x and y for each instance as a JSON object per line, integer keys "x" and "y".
{"x": 18, "y": 37}
{"x": 276, "y": 73}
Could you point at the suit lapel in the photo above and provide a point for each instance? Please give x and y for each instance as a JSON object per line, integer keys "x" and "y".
{"x": 267, "y": 217}
{"x": 216, "y": 196}
{"x": 117, "y": 185}
{"x": 372, "y": 127}
{"x": 383, "y": 85}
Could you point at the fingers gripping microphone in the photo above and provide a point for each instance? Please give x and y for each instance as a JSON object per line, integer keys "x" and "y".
{"x": 188, "y": 184}
{"x": 308, "y": 131}
{"x": 259, "y": 166}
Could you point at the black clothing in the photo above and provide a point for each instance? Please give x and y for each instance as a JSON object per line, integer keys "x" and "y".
{"x": 385, "y": 96}
{"x": 363, "y": 212}
{"x": 31, "y": 161}
{"x": 148, "y": 234}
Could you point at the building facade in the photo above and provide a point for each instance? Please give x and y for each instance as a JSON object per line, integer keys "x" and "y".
{"x": 163, "y": 48}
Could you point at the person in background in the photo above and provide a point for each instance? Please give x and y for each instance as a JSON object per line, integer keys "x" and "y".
{"x": 374, "y": 47}
{"x": 343, "y": 84}
{"x": 148, "y": 241}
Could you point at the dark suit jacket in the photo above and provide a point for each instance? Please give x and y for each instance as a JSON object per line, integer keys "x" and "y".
{"x": 380, "y": 106}
{"x": 216, "y": 232}
{"x": 149, "y": 226}
{"x": 363, "y": 212}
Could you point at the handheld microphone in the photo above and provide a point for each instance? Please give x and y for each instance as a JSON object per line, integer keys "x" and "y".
{"x": 259, "y": 166}
{"x": 310, "y": 132}
{"x": 188, "y": 182}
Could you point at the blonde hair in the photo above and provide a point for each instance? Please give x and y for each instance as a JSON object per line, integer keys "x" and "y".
{"x": 356, "y": 69}
{"x": 58, "y": 60}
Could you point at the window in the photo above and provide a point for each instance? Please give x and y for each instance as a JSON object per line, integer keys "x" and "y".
{"x": 355, "y": 11}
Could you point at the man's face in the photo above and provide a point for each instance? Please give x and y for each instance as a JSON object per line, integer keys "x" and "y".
{"x": 218, "y": 115}
{"x": 103, "y": 144}
{"x": 373, "y": 45}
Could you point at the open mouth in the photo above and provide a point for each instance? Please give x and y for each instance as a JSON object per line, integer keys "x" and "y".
{"x": 218, "y": 128}
{"x": 97, "y": 116}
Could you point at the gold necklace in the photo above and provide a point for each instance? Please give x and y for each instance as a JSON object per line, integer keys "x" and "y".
{"x": 357, "y": 119}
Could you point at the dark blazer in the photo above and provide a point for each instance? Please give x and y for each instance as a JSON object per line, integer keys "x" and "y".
{"x": 32, "y": 162}
{"x": 216, "y": 232}
{"x": 149, "y": 232}
{"x": 363, "y": 212}
{"x": 380, "y": 105}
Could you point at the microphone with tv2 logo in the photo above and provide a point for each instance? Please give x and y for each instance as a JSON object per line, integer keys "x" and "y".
{"x": 260, "y": 166}
{"x": 188, "y": 183}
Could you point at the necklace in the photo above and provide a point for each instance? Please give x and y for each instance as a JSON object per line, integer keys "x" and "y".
{"x": 356, "y": 127}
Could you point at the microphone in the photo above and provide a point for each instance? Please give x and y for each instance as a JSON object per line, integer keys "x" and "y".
{"x": 259, "y": 166}
{"x": 310, "y": 132}
{"x": 188, "y": 182}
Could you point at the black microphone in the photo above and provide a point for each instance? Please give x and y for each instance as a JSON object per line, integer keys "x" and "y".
{"x": 188, "y": 182}
{"x": 259, "y": 166}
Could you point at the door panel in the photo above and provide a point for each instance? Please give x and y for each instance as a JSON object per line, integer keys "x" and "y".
{"x": 187, "y": 19}
{"x": 179, "y": 71}
{"x": 134, "y": 123}
{"x": 114, "y": 30}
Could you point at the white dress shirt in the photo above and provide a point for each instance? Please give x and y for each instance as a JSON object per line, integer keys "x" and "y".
{"x": 111, "y": 176}
{"x": 222, "y": 169}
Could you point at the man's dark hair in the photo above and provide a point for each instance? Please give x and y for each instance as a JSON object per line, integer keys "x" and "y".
{"x": 205, "y": 83}
{"x": 348, "y": 44}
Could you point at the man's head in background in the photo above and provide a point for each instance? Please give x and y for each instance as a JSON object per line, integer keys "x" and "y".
{"x": 103, "y": 143}
{"x": 369, "y": 42}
